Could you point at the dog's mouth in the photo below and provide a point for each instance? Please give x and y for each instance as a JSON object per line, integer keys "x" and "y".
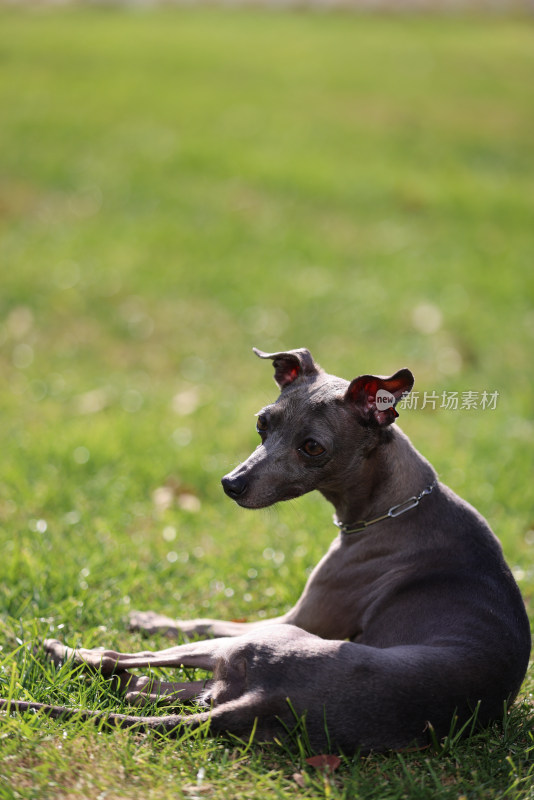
{"x": 246, "y": 497}
{"x": 252, "y": 501}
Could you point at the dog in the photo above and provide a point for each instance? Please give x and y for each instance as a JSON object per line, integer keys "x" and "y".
{"x": 412, "y": 622}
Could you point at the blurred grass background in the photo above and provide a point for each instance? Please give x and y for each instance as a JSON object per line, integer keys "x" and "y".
{"x": 178, "y": 185}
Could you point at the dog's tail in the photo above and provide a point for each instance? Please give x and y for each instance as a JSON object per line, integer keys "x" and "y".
{"x": 173, "y": 724}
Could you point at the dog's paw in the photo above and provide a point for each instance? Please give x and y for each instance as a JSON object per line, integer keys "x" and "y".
{"x": 150, "y": 622}
{"x": 139, "y": 690}
{"x": 57, "y": 651}
{"x": 97, "y": 658}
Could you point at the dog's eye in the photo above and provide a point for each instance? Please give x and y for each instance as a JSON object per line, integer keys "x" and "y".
{"x": 261, "y": 424}
{"x": 312, "y": 448}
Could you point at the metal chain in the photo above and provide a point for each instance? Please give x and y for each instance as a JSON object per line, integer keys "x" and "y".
{"x": 394, "y": 511}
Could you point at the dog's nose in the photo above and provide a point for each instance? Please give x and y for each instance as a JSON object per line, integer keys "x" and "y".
{"x": 234, "y": 487}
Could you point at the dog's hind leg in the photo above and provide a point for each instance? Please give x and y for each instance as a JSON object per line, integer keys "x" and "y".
{"x": 139, "y": 689}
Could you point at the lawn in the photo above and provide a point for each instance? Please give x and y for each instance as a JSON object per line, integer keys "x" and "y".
{"x": 176, "y": 186}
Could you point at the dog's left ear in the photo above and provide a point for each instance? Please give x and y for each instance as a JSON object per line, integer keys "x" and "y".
{"x": 374, "y": 397}
{"x": 290, "y": 365}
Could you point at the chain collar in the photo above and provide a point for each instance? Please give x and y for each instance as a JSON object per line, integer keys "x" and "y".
{"x": 394, "y": 511}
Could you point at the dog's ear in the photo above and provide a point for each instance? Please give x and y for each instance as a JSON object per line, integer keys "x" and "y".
{"x": 374, "y": 397}
{"x": 291, "y": 365}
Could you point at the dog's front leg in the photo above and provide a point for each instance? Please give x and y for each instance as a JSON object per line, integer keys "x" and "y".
{"x": 202, "y": 654}
{"x": 150, "y": 622}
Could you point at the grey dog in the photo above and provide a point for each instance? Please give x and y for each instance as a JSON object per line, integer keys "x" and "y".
{"x": 410, "y": 621}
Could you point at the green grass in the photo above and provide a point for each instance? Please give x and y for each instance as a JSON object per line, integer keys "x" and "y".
{"x": 177, "y": 186}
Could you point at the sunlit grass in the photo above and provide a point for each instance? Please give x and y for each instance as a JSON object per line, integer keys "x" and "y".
{"x": 178, "y": 186}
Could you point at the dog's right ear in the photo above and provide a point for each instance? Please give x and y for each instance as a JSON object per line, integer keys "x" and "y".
{"x": 291, "y": 365}
{"x": 374, "y": 397}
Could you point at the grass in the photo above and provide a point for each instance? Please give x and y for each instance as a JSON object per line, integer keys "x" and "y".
{"x": 177, "y": 186}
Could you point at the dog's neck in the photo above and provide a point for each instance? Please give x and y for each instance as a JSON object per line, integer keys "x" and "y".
{"x": 392, "y": 473}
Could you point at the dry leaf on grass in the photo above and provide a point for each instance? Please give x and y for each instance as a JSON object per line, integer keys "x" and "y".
{"x": 325, "y": 763}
